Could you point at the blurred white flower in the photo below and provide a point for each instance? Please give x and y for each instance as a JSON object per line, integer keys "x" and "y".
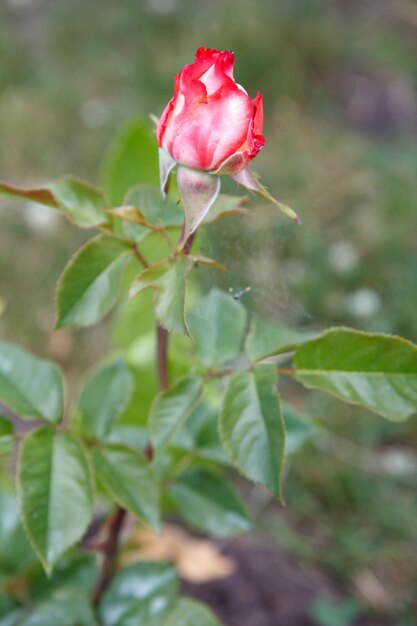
{"x": 399, "y": 462}
{"x": 40, "y": 218}
{"x": 94, "y": 113}
{"x": 363, "y": 303}
{"x": 163, "y": 6}
{"x": 343, "y": 256}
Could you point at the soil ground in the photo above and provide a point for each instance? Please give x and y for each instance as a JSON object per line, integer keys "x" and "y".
{"x": 269, "y": 588}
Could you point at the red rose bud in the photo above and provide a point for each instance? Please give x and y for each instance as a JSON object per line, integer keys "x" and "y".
{"x": 210, "y": 125}
{"x": 211, "y": 119}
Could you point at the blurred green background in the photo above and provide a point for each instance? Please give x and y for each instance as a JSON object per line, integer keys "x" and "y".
{"x": 339, "y": 79}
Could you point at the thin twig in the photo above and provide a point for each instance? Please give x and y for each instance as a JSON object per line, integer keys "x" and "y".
{"x": 161, "y": 357}
{"x": 110, "y": 549}
{"x": 138, "y": 254}
{"x": 285, "y": 372}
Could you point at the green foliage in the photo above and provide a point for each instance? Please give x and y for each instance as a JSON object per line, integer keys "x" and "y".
{"x": 224, "y": 206}
{"x": 65, "y": 609}
{"x": 187, "y": 613}
{"x": 80, "y": 202}
{"x": 334, "y": 614}
{"x": 209, "y": 504}
{"x": 55, "y": 492}
{"x": 298, "y": 429}
{"x": 138, "y": 593}
{"x": 15, "y": 553}
{"x": 6, "y": 437}
{"x": 168, "y": 279}
{"x": 104, "y": 396}
{"x": 156, "y": 210}
{"x": 129, "y": 479}
{"x": 83, "y": 204}
{"x": 217, "y": 324}
{"x": 131, "y": 160}
{"x": 90, "y": 283}
{"x": 171, "y": 409}
{"x": 251, "y": 426}
{"x": 30, "y": 386}
{"x": 265, "y": 340}
{"x": 378, "y": 372}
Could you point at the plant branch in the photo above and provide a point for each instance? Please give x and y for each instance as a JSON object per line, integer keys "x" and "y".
{"x": 161, "y": 357}
{"x": 162, "y": 339}
{"x": 110, "y": 549}
{"x": 138, "y": 254}
{"x": 110, "y": 546}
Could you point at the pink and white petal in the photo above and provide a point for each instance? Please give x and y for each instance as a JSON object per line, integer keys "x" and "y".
{"x": 198, "y": 192}
{"x": 254, "y": 143}
{"x": 220, "y": 74}
{"x": 224, "y": 122}
{"x": 181, "y": 136}
{"x": 163, "y": 121}
{"x": 206, "y": 57}
{"x": 232, "y": 165}
{"x": 258, "y": 119}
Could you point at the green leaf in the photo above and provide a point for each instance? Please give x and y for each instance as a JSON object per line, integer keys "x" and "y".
{"x": 72, "y": 573}
{"x": 226, "y": 205}
{"x": 217, "y": 324}
{"x": 156, "y": 210}
{"x": 6, "y": 438}
{"x": 171, "y": 409}
{"x": 83, "y": 204}
{"x": 187, "y": 613}
{"x": 133, "y": 436}
{"x": 132, "y": 159}
{"x": 90, "y": 283}
{"x": 11, "y": 612}
{"x": 297, "y": 427}
{"x": 55, "y": 492}
{"x": 129, "y": 479}
{"x": 265, "y": 340}
{"x": 6, "y": 444}
{"x": 251, "y": 426}
{"x": 145, "y": 211}
{"x": 200, "y": 436}
{"x": 378, "y": 372}
{"x": 104, "y": 397}
{"x": 80, "y": 202}
{"x": 209, "y": 504}
{"x": 15, "y": 552}
{"x": 30, "y": 386}
{"x": 152, "y": 586}
{"x": 168, "y": 280}
{"x": 65, "y": 609}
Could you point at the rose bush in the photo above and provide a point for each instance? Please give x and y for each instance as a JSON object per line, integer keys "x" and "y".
{"x": 151, "y": 438}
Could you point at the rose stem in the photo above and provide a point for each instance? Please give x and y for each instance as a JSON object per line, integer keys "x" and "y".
{"x": 111, "y": 545}
{"x": 110, "y": 550}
